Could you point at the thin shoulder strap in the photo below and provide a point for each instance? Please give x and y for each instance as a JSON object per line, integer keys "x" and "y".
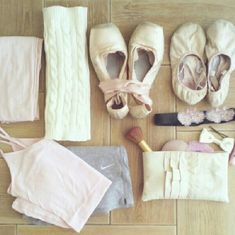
{"x": 5, "y": 138}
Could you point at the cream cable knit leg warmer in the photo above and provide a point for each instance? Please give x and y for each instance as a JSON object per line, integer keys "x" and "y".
{"x": 67, "y": 112}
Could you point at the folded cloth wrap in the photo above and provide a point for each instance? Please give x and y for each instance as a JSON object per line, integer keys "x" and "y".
{"x": 112, "y": 162}
{"x": 20, "y": 63}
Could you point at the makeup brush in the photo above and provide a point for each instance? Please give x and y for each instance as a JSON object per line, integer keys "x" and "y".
{"x": 135, "y": 135}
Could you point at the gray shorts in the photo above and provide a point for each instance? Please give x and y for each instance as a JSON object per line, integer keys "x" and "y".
{"x": 112, "y": 162}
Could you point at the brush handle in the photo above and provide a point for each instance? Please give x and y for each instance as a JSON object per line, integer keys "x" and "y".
{"x": 144, "y": 146}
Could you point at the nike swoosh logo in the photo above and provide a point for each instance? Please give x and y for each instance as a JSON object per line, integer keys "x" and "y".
{"x": 105, "y": 167}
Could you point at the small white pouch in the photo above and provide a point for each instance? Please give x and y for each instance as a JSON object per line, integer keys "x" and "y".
{"x": 185, "y": 175}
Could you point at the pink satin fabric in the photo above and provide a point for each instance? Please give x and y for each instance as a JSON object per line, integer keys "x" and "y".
{"x": 138, "y": 89}
{"x": 20, "y": 63}
{"x": 51, "y": 183}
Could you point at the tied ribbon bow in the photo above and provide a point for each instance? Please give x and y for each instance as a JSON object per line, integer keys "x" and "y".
{"x": 225, "y": 144}
{"x": 138, "y": 89}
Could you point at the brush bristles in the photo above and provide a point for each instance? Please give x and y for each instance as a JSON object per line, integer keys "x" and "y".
{"x": 135, "y": 135}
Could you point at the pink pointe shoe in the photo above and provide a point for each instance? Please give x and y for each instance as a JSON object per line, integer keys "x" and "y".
{"x": 108, "y": 54}
{"x": 146, "y": 48}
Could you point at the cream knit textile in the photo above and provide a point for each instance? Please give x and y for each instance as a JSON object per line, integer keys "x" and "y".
{"x": 67, "y": 112}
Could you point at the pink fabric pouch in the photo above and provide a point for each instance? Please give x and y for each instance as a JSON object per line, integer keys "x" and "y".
{"x": 51, "y": 183}
{"x": 20, "y": 63}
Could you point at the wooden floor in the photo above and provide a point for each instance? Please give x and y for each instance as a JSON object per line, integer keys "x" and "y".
{"x": 24, "y": 17}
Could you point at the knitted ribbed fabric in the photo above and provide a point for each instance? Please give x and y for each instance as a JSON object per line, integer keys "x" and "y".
{"x": 67, "y": 112}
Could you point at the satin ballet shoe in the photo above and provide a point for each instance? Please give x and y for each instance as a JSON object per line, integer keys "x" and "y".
{"x": 108, "y": 54}
{"x": 146, "y": 48}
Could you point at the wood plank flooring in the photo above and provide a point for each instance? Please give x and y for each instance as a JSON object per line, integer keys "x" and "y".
{"x": 169, "y": 217}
